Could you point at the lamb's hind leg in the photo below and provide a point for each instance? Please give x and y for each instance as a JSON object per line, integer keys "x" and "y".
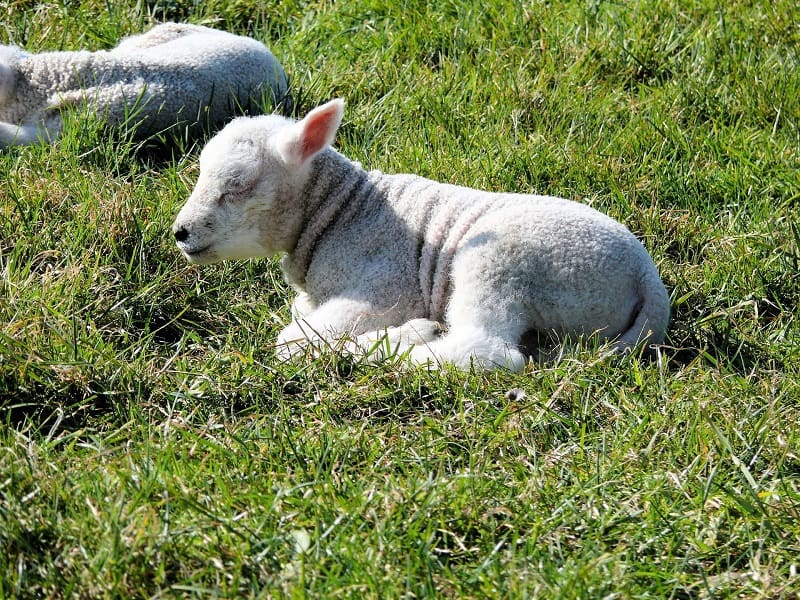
{"x": 484, "y": 328}
{"x": 427, "y": 343}
{"x": 467, "y": 345}
{"x": 392, "y": 341}
{"x": 46, "y": 130}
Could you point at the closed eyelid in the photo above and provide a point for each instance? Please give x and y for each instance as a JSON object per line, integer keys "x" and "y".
{"x": 237, "y": 184}
{"x": 235, "y": 191}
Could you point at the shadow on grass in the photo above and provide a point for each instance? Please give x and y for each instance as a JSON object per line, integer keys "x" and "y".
{"x": 703, "y": 332}
{"x": 67, "y": 409}
{"x": 115, "y": 147}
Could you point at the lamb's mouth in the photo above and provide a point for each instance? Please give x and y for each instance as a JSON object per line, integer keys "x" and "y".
{"x": 196, "y": 255}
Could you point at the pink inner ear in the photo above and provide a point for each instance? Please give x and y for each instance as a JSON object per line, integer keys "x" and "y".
{"x": 318, "y": 131}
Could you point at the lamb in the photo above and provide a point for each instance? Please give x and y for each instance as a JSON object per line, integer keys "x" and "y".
{"x": 373, "y": 255}
{"x": 175, "y": 74}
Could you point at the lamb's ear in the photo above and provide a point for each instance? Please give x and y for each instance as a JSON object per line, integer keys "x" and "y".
{"x": 314, "y": 132}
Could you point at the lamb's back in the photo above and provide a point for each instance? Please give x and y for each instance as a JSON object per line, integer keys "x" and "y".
{"x": 542, "y": 242}
{"x": 204, "y": 68}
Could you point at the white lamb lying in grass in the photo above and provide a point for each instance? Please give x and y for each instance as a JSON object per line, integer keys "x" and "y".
{"x": 372, "y": 254}
{"x": 173, "y": 74}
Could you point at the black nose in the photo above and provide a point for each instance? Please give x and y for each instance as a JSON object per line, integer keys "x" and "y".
{"x": 181, "y": 234}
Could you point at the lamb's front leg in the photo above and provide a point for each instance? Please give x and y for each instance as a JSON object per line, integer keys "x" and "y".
{"x": 29, "y": 133}
{"x": 335, "y": 323}
{"x": 332, "y": 323}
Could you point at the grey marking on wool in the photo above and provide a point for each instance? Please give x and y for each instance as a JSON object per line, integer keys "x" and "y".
{"x": 331, "y": 195}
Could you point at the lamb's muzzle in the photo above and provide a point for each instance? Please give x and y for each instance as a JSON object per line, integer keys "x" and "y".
{"x": 181, "y": 234}
{"x": 375, "y": 256}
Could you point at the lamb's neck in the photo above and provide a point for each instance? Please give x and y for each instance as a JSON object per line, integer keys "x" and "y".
{"x": 333, "y": 194}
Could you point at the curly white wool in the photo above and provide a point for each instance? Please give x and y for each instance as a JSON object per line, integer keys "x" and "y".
{"x": 372, "y": 254}
{"x": 173, "y": 74}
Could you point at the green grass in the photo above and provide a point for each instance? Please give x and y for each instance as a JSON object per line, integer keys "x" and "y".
{"x": 152, "y": 446}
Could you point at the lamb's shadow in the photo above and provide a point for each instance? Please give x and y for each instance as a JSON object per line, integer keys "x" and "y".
{"x": 164, "y": 149}
{"x": 696, "y": 335}
{"x": 719, "y": 347}
{"x": 700, "y": 329}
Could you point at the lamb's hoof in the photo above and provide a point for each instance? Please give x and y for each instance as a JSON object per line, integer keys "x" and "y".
{"x": 620, "y": 348}
{"x": 415, "y": 332}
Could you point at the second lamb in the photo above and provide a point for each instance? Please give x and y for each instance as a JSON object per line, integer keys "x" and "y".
{"x": 174, "y": 74}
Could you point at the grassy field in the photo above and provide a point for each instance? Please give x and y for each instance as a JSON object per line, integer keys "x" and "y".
{"x": 152, "y": 446}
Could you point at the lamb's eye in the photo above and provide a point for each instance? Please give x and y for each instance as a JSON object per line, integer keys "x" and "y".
{"x": 224, "y": 197}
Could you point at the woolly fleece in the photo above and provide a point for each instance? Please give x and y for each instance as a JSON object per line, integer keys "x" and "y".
{"x": 372, "y": 254}
{"x": 173, "y": 74}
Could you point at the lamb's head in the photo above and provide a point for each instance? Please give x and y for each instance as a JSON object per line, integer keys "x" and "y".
{"x": 247, "y": 201}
